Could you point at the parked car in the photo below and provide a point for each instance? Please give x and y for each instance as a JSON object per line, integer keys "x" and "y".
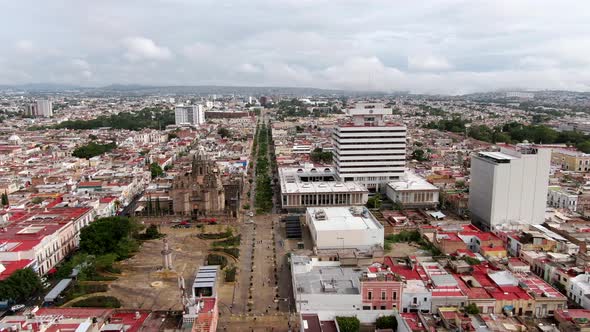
{"x": 17, "y": 307}
{"x": 251, "y": 214}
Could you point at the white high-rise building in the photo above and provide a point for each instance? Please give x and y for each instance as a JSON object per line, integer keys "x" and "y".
{"x": 41, "y": 108}
{"x": 510, "y": 186}
{"x": 189, "y": 115}
{"x": 369, "y": 150}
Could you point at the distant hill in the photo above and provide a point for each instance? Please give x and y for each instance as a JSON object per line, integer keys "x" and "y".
{"x": 138, "y": 90}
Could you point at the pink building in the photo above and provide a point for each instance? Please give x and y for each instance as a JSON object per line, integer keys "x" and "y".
{"x": 381, "y": 292}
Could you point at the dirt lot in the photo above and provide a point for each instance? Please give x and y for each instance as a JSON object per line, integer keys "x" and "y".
{"x": 143, "y": 286}
{"x": 403, "y": 249}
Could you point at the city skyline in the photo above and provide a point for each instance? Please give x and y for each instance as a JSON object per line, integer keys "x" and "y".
{"x": 450, "y": 47}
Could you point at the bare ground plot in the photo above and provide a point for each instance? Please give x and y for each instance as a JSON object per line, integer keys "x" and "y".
{"x": 143, "y": 286}
{"x": 403, "y": 249}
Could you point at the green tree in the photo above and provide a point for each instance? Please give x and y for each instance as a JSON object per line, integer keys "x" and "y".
{"x": 224, "y": 132}
{"x": 158, "y": 210}
{"x": 152, "y": 232}
{"x": 471, "y": 260}
{"x": 318, "y": 155}
{"x": 20, "y": 285}
{"x": 37, "y": 200}
{"x": 5, "y": 201}
{"x": 172, "y": 136}
{"x": 348, "y": 324}
{"x": 105, "y": 262}
{"x": 374, "y": 202}
{"x": 419, "y": 155}
{"x": 113, "y": 235}
{"x": 471, "y": 309}
{"x": 584, "y": 146}
{"x": 156, "y": 170}
{"x": 386, "y": 322}
{"x": 93, "y": 149}
{"x": 154, "y": 118}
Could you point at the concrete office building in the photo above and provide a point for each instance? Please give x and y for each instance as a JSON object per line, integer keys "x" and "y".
{"x": 344, "y": 228}
{"x": 309, "y": 186}
{"x": 369, "y": 150}
{"x": 510, "y": 186}
{"x": 189, "y": 115}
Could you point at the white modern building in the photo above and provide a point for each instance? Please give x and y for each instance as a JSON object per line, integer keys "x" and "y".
{"x": 561, "y": 198}
{"x": 309, "y": 186}
{"x": 578, "y": 290}
{"x": 413, "y": 191}
{"x": 189, "y": 115}
{"x": 344, "y": 228}
{"x": 41, "y": 108}
{"x": 44, "y": 108}
{"x": 369, "y": 150}
{"x": 510, "y": 186}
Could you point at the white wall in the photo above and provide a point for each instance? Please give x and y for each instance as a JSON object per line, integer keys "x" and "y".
{"x": 501, "y": 193}
{"x": 408, "y": 298}
{"x": 358, "y": 238}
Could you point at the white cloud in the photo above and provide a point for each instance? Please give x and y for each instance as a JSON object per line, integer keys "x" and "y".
{"x": 428, "y": 63}
{"x": 24, "y": 46}
{"x": 538, "y": 62}
{"x": 248, "y": 68}
{"x": 80, "y": 63}
{"x": 140, "y": 48}
{"x": 446, "y": 46}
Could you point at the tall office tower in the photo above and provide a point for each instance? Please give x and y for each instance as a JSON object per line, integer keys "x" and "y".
{"x": 369, "y": 150}
{"x": 189, "y": 114}
{"x": 510, "y": 186}
{"x": 41, "y": 108}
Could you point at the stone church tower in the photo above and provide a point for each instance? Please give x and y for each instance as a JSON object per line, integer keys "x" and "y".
{"x": 199, "y": 192}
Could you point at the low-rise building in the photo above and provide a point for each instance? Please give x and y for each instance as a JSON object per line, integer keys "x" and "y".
{"x": 571, "y": 160}
{"x": 328, "y": 289}
{"x": 44, "y": 236}
{"x": 561, "y": 198}
{"x": 413, "y": 191}
{"x": 578, "y": 290}
{"x": 309, "y": 186}
{"x": 344, "y": 228}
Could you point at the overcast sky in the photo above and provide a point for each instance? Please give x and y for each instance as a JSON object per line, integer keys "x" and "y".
{"x": 439, "y": 46}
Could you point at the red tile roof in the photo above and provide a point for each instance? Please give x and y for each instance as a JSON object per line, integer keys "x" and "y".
{"x": 128, "y": 319}
{"x": 402, "y": 270}
{"x": 13, "y": 266}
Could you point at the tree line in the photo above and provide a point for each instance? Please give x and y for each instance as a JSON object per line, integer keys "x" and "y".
{"x": 263, "y": 196}
{"x": 514, "y": 132}
{"x": 150, "y": 117}
{"x": 93, "y": 149}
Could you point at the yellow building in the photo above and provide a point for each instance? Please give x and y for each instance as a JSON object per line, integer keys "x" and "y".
{"x": 498, "y": 252}
{"x": 571, "y": 160}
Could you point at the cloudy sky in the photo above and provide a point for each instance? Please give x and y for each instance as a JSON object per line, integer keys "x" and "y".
{"x": 438, "y": 46}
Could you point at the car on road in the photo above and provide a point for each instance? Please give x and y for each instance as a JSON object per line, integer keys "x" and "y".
{"x": 182, "y": 224}
{"x": 17, "y": 307}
